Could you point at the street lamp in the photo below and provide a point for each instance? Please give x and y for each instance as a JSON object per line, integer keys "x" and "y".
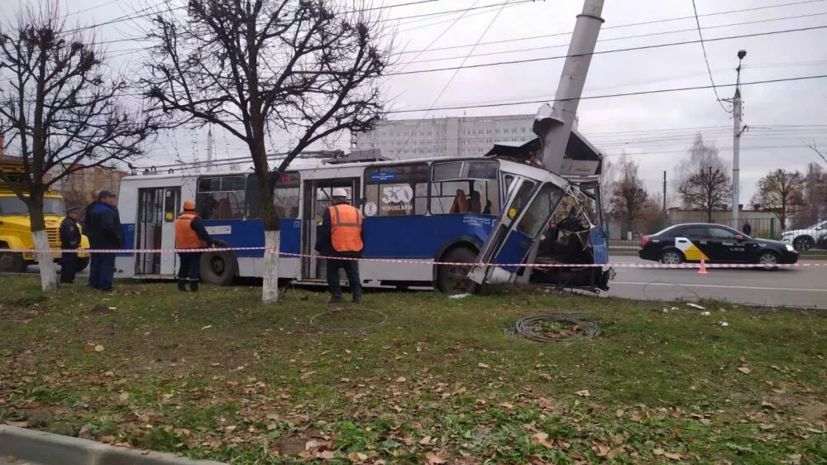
{"x": 736, "y": 143}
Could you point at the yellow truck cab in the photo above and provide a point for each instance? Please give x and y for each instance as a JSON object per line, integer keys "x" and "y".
{"x": 16, "y": 229}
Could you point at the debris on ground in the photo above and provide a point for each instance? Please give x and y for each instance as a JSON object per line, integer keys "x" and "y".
{"x": 458, "y": 296}
{"x": 695, "y": 306}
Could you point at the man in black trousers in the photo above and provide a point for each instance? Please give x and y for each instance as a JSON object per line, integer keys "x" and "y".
{"x": 69, "y": 240}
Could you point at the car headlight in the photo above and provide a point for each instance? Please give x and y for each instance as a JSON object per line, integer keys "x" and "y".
{"x": 790, "y": 248}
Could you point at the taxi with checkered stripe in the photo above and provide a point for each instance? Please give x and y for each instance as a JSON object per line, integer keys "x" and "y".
{"x": 713, "y": 243}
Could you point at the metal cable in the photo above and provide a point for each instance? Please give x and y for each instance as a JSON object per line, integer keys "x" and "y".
{"x": 525, "y": 328}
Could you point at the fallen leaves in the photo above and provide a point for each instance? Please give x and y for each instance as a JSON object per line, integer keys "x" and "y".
{"x": 434, "y": 459}
{"x": 99, "y": 348}
{"x": 541, "y": 439}
{"x": 745, "y": 370}
{"x": 482, "y": 365}
{"x": 583, "y": 393}
{"x": 425, "y": 441}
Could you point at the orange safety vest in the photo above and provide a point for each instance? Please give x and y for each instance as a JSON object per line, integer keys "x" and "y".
{"x": 185, "y": 236}
{"x": 345, "y": 228}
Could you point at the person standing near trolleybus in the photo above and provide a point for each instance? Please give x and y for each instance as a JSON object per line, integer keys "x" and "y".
{"x": 190, "y": 234}
{"x": 105, "y": 232}
{"x": 340, "y": 236}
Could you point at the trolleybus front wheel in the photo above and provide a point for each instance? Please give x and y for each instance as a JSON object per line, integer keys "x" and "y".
{"x": 219, "y": 268}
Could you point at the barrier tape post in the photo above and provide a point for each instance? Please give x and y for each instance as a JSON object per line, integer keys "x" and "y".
{"x": 700, "y": 266}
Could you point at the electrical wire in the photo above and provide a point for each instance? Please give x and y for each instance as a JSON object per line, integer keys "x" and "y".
{"x": 581, "y": 329}
{"x": 618, "y": 26}
{"x": 636, "y": 36}
{"x": 595, "y": 97}
{"x": 706, "y": 58}
{"x": 604, "y": 52}
{"x": 447, "y": 84}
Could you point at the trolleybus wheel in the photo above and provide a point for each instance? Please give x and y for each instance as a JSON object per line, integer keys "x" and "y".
{"x": 218, "y": 268}
{"x": 453, "y": 279}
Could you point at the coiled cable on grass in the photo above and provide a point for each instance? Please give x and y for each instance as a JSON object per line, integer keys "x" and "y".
{"x": 581, "y": 329}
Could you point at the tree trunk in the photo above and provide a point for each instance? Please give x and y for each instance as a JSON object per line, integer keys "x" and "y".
{"x": 272, "y": 242}
{"x": 48, "y": 273}
{"x": 270, "y": 269}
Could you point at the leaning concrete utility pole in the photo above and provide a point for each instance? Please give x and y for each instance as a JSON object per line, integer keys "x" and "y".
{"x": 554, "y": 125}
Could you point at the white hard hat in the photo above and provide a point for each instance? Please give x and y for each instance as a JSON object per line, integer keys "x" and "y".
{"x": 339, "y": 192}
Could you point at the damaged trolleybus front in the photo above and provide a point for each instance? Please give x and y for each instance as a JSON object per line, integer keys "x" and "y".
{"x": 549, "y": 227}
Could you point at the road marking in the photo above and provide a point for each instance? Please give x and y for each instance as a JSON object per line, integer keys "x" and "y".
{"x": 714, "y": 286}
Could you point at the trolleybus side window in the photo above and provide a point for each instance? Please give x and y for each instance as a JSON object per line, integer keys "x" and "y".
{"x": 399, "y": 190}
{"x": 221, "y": 197}
{"x": 465, "y": 187}
{"x": 285, "y": 197}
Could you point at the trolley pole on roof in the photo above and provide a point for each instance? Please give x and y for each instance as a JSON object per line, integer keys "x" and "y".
{"x": 553, "y": 125}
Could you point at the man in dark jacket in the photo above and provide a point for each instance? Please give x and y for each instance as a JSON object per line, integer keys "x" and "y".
{"x": 105, "y": 232}
{"x": 340, "y": 235}
{"x": 69, "y": 240}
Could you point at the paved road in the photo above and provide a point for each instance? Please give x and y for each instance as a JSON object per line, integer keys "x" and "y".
{"x": 797, "y": 287}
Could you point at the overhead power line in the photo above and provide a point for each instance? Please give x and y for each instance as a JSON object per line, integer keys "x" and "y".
{"x": 614, "y": 39}
{"x": 706, "y": 58}
{"x": 626, "y": 94}
{"x": 461, "y": 10}
{"x": 603, "y": 52}
{"x": 447, "y": 84}
{"x": 618, "y": 26}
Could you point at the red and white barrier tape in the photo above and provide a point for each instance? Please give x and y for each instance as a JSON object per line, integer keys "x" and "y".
{"x": 434, "y": 262}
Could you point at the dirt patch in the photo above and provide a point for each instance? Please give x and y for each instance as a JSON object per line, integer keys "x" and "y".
{"x": 813, "y": 412}
{"x": 102, "y": 310}
{"x": 296, "y": 443}
{"x": 9, "y": 313}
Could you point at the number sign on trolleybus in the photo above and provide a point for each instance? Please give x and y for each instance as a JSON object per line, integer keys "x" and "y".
{"x": 493, "y": 213}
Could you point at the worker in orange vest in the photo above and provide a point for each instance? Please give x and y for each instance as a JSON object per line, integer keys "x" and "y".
{"x": 190, "y": 234}
{"x": 340, "y": 236}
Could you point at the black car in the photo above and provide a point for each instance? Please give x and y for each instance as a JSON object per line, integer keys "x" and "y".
{"x": 713, "y": 243}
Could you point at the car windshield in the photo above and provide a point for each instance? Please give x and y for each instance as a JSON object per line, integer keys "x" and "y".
{"x": 12, "y": 206}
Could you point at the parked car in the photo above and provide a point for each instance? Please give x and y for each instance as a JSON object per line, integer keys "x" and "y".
{"x": 807, "y": 238}
{"x": 713, "y": 243}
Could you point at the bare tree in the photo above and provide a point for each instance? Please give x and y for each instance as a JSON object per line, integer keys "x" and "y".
{"x": 61, "y": 110}
{"x": 814, "y": 148}
{"x": 781, "y": 192}
{"x": 703, "y": 181}
{"x": 629, "y": 197}
{"x": 306, "y": 67}
{"x": 815, "y": 196}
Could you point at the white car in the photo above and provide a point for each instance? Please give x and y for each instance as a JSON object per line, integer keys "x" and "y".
{"x": 807, "y": 238}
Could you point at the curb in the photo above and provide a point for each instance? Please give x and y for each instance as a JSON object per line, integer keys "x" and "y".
{"x": 54, "y": 449}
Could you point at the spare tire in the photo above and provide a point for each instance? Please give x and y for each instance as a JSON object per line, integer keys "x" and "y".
{"x": 219, "y": 268}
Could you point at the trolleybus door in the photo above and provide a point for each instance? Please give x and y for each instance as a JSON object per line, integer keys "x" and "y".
{"x": 318, "y": 194}
{"x": 158, "y": 207}
{"x": 523, "y": 218}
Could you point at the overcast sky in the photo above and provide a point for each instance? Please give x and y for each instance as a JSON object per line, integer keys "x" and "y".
{"x": 654, "y": 129}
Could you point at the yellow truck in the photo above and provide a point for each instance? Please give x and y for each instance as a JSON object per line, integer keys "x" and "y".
{"x": 16, "y": 227}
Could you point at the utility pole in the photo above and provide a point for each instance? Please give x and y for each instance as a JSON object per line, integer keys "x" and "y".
{"x": 736, "y": 143}
{"x": 553, "y": 125}
{"x": 664, "y": 194}
{"x": 209, "y": 149}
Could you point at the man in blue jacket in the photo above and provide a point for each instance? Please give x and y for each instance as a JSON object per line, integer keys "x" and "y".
{"x": 105, "y": 232}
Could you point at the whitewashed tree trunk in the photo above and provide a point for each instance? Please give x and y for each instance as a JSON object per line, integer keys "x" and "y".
{"x": 270, "y": 268}
{"x": 48, "y": 273}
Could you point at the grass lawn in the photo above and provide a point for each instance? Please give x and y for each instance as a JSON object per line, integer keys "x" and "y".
{"x": 218, "y": 375}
